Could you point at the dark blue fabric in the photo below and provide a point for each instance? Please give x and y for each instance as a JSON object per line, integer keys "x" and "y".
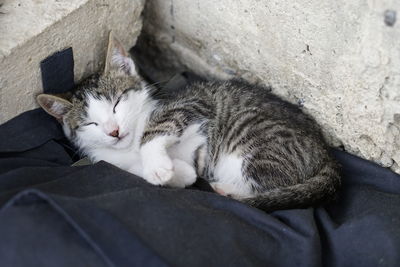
{"x": 98, "y": 215}
{"x": 58, "y": 72}
{"x": 52, "y": 214}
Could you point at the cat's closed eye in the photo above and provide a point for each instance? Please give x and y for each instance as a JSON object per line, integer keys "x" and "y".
{"x": 119, "y": 99}
{"x": 90, "y": 123}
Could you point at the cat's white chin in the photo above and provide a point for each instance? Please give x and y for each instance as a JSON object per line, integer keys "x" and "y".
{"x": 123, "y": 142}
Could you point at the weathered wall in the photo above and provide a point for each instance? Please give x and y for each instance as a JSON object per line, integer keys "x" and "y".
{"x": 338, "y": 59}
{"x": 31, "y": 30}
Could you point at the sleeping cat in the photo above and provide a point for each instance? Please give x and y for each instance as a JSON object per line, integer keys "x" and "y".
{"x": 248, "y": 143}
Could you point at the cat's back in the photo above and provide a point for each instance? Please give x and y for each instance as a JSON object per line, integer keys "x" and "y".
{"x": 237, "y": 93}
{"x": 249, "y": 119}
{"x": 232, "y": 99}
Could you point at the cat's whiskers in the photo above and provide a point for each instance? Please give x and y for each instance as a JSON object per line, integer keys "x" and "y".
{"x": 156, "y": 83}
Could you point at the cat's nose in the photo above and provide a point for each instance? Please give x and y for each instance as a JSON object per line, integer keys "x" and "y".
{"x": 114, "y": 133}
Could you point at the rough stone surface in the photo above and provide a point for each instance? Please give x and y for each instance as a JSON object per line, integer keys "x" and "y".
{"x": 338, "y": 59}
{"x": 31, "y": 30}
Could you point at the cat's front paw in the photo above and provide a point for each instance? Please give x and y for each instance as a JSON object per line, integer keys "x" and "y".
{"x": 159, "y": 171}
{"x": 184, "y": 174}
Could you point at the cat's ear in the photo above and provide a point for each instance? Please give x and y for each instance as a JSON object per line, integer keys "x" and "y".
{"x": 54, "y": 105}
{"x": 118, "y": 59}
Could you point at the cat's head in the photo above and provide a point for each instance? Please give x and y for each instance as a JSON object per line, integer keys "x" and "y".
{"x": 102, "y": 112}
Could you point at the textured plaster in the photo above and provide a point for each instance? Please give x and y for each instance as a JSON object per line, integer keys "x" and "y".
{"x": 340, "y": 60}
{"x": 31, "y": 30}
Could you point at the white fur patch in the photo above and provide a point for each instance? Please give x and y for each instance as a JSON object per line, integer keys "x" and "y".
{"x": 184, "y": 174}
{"x": 157, "y": 165}
{"x": 130, "y": 116}
{"x": 131, "y": 112}
{"x": 229, "y": 177}
{"x": 189, "y": 141}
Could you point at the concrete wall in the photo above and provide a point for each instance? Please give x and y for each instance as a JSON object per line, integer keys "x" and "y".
{"x": 31, "y": 30}
{"x": 338, "y": 59}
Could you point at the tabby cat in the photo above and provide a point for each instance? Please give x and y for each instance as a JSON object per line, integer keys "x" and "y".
{"x": 248, "y": 143}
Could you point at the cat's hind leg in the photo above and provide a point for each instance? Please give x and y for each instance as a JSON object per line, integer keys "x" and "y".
{"x": 229, "y": 179}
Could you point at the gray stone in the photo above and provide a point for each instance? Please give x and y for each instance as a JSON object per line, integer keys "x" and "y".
{"x": 390, "y": 17}
{"x": 31, "y": 30}
{"x": 336, "y": 58}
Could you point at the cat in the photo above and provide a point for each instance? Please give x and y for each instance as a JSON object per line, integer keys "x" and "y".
{"x": 247, "y": 142}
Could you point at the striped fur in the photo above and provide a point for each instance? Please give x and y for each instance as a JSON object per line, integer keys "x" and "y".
{"x": 285, "y": 158}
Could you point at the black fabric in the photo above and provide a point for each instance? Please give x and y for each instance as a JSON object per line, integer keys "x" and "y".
{"x": 98, "y": 215}
{"x": 58, "y": 72}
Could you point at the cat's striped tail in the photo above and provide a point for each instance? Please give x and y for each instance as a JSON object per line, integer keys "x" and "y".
{"x": 314, "y": 191}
